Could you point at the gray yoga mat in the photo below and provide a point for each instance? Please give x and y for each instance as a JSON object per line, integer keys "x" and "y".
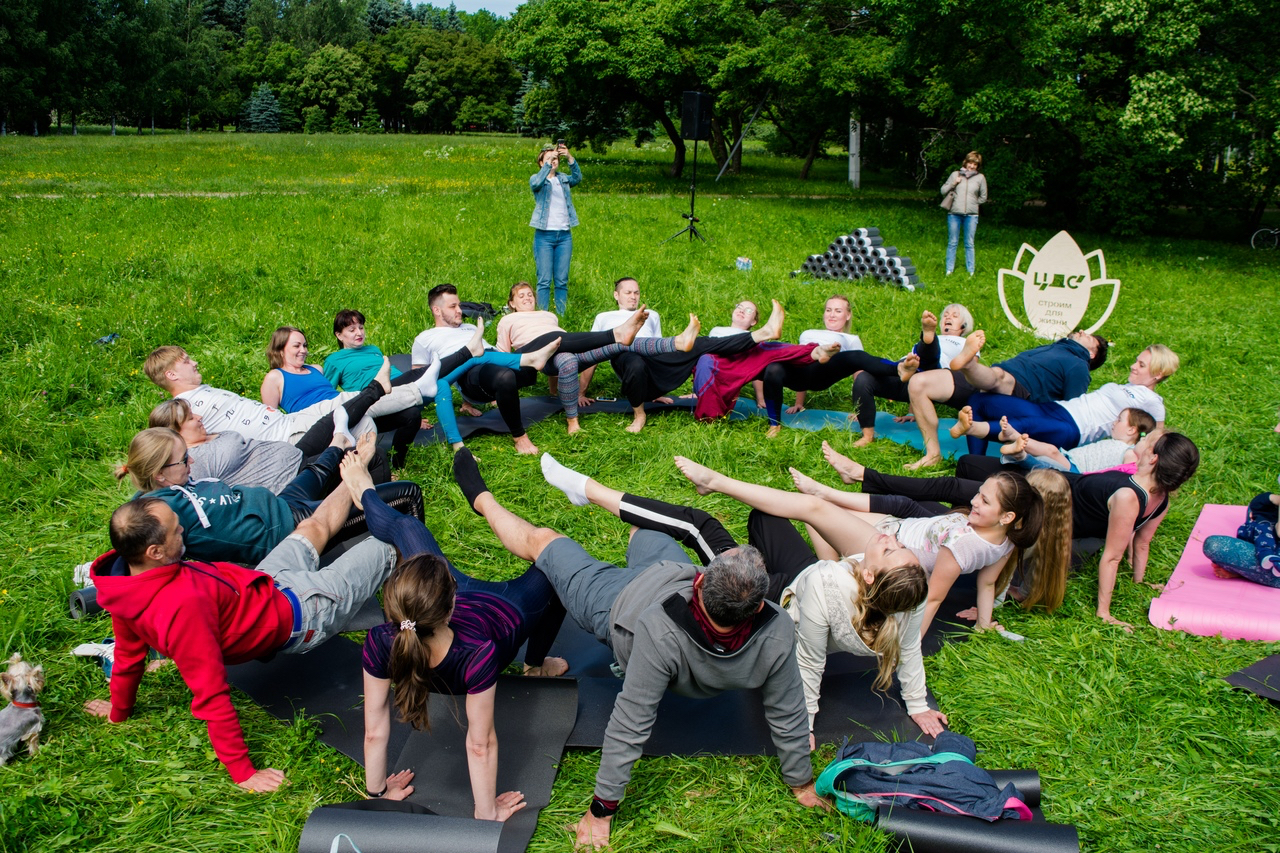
{"x": 379, "y": 826}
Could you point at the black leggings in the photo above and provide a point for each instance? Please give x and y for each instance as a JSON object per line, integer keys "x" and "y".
{"x": 571, "y": 342}
{"x": 405, "y": 424}
{"x": 879, "y": 378}
{"x": 502, "y": 384}
{"x": 930, "y": 493}
{"x": 306, "y": 492}
{"x": 316, "y": 439}
{"x": 785, "y": 552}
{"x": 810, "y": 376}
{"x": 647, "y": 377}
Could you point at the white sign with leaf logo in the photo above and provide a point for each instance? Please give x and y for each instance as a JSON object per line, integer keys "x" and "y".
{"x": 1056, "y": 285}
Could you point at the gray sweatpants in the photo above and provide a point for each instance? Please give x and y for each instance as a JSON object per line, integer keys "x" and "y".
{"x": 330, "y": 596}
{"x": 588, "y": 587}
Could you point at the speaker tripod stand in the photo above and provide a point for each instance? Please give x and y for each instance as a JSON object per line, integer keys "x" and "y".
{"x": 692, "y": 228}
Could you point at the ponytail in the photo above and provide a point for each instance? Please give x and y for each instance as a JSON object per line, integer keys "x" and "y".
{"x": 418, "y": 597}
{"x": 1049, "y": 558}
{"x": 898, "y": 589}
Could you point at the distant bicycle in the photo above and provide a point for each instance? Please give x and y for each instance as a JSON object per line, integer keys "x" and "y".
{"x": 1265, "y": 238}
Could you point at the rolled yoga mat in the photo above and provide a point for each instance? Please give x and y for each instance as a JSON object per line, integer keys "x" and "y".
{"x": 931, "y": 832}
{"x": 84, "y": 602}
{"x": 378, "y": 826}
{"x": 1026, "y": 781}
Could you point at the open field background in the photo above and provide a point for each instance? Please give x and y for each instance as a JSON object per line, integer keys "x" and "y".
{"x": 213, "y": 241}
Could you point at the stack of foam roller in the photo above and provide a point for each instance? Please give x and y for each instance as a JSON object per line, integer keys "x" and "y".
{"x": 863, "y": 254}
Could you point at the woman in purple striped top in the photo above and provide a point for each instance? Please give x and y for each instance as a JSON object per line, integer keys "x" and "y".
{"x": 448, "y": 633}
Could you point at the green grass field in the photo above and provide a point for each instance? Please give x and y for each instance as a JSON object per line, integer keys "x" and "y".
{"x": 212, "y": 241}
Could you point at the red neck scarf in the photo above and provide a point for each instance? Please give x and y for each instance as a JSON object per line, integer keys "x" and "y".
{"x": 731, "y": 640}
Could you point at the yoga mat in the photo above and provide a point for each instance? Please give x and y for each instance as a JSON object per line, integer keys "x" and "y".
{"x": 378, "y": 826}
{"x": 932, "y": 832}
{"x": 326, "y": 683}
{"x": 84, "y": 602}
{"x": 1198, "y": 602}
{"x": 1026, "y": 781}
{"x": 904, "y": 433}
{"x": 1262, "y": 678}
{"x": 532, "y": 716}
{"x": 849, "y": 707}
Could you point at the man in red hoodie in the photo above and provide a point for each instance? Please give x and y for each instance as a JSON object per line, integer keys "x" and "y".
{"x": 206, "y": 616}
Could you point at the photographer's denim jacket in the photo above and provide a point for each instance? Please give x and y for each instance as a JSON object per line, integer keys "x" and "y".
{"x": 542, "y": 194}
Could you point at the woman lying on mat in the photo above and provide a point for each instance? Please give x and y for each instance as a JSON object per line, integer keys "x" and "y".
{"x": 1124, "y": 508}
{"x": 869, "y": 604}
{"x": 1072, "y": 422}
{"x": 1006, "y": 516}
{"x": 446, "y": 633}
{"x": 527, "y": 329}
{"x": 241, "y": 524}
{"x": 1253, "y": 553}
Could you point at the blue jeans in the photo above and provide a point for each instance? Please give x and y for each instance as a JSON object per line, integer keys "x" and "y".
{"x": 954, "y": 221}
{"x": 551, "y": 252}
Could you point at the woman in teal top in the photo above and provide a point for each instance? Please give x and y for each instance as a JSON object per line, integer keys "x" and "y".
{"x": 241, "y": 524}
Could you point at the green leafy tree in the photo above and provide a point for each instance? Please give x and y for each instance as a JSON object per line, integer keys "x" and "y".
{"x": 335, "y": 80}
{"x": 453, "y": 67}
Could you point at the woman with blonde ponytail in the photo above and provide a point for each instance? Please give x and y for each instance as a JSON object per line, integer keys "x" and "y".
{"x": 446, "y": 633}
{"x": 868, "y": 604}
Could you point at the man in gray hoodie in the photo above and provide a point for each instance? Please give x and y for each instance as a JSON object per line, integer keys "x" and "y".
{"x": 670, "y": 626}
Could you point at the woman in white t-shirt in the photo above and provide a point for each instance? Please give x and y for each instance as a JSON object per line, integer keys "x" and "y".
{"x": 1072, "y": 422}
{"x": 1006, "y": 515}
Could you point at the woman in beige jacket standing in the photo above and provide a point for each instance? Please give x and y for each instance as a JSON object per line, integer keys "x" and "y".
{"x": 963, "y": 192}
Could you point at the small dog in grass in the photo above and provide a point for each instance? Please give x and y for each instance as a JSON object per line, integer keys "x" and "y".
{"x": 21, "y": 721}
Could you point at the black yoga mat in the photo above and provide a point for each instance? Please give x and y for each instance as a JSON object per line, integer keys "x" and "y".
{"x": 326, "y": 683}
{"x": 533, "y": 718}
{"x": 1262, "y": 678}
{"x": 378, "y": 826}
{"x": 1026, "y": 781}
{"x": 932, "y": 832}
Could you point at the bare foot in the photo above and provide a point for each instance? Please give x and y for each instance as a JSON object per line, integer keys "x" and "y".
{"x": 384, "y": 375}
{"x": 626, "y": 333}
{"x": 972, "y": 344}
{"x": 926, "y": 461}
{"x": 823, "y": 354}
{"x": 868, "y": 436}
{"x": 366, "y": 445}
{"x": 964, "y": 420}
{"x": 573, "y": 425}
{"x": 849, "y": 471}
{"x": 773, "y": 431}
{"x": 469, "y": 410}
{"x": 928, "y": 326}
{"x": 1016, "y": 447}
{"x": 355, "y": 474}
{"x": 637, "y": 422}
{"x": 538, "y": 358}
{"x": 702, "y": 477}
{"x": 686, "y": 339}
{"x": 1224, "y": 573}
{"x": 807, "y": 485}
{"x": 476, "y": 345}
{"x": 525, "y": 447}
{"x": 772, "y": 330}
{"x": 1007, "y": 433}
{"x": 551, "y": 667}
{"x": 908, "y": 367}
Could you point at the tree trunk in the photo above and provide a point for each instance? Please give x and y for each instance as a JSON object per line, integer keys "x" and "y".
{"x": 735, "y": 124}
{"x": 75, "y": 124}
{"x": 1255, "y": 218}
{"x": 659, "y": 111}
{"x": 814, "y": 140}
{"x": 113, "y": 124}
{"x": 153, "y": 124}
{"x": 35, "y": 127}
{"x": 188, "y": 118}
{"x": 719, "y": 150}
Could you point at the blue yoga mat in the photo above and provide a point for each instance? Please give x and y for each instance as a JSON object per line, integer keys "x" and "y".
{"x": 816, "y": 419}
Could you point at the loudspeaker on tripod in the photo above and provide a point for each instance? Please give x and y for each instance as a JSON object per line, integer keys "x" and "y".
{"x": 695, "y": 117}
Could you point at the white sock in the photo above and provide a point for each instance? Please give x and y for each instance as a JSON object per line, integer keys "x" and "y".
{"x": 341, "y": 424}
{"x": 426, "y": 383}
{"x": 567, "y": 480}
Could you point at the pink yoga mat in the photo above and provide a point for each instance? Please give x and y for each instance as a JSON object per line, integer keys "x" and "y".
{"x": 1197, "y": 601}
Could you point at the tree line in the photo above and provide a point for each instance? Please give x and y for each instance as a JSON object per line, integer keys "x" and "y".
{"x": 1111, "y": 113}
